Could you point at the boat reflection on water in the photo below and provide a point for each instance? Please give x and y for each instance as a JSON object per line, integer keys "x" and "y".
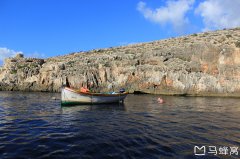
{"x": 105, "y": 107}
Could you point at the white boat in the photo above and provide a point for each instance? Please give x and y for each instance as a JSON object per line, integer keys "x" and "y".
{"x": 71, "y": 96}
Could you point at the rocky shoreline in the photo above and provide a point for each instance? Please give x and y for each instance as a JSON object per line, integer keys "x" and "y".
{"x": 204, "y": 64}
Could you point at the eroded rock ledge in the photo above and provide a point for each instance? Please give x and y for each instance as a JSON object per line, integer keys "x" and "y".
{"x": 199, "y": 64}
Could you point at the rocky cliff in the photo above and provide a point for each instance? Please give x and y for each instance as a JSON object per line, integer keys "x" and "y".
{"x": 199, "y": 64}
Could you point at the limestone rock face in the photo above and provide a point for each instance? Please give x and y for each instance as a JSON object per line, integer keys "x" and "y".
{"x": 199, "y": 64}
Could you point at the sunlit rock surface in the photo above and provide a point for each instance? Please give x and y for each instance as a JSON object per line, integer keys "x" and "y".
{"x": 199, "y": 64}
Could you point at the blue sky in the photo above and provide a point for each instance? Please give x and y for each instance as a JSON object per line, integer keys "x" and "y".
{"x": 46, "y": 28}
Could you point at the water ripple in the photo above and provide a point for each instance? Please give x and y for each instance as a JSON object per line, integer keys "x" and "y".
{"x": 141, "y": 128}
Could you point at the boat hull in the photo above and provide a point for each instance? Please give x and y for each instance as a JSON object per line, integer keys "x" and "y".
{"x": 73, "y": 97}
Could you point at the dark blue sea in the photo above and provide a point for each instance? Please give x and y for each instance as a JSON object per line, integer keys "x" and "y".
{"x": 34, "y": 125}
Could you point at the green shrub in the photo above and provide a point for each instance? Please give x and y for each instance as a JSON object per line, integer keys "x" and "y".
{"x": 228, "y": 36}
{"x": 70, "y": 62}
{"x": 13, "y": 72}
{"x": 33, "y": 65}
{"x": 107, "y": 64}
{"x": 21, "y": 66}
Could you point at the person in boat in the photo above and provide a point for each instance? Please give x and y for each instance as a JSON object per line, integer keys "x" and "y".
{"x": 92, "y": 88}
{"x": 89, "y": 88}
{"x": 160, "y": 100}
{"x": 84, "y": 90}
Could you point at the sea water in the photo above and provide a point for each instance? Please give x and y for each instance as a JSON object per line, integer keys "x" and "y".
{"x": 34, "y": 125}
